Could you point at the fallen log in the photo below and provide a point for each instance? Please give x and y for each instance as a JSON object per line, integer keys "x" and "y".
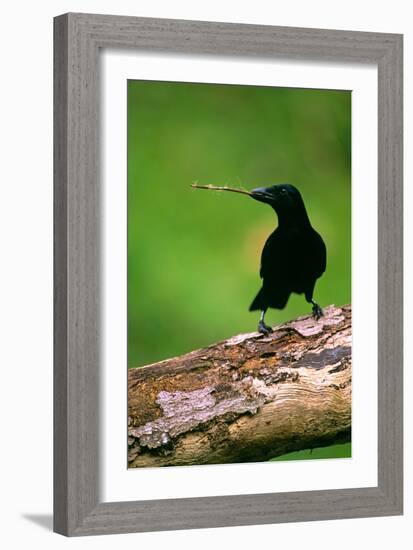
{"x": 248, "y": 398}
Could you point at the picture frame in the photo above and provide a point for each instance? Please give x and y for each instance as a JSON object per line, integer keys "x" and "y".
{"x": 79, "y": 39}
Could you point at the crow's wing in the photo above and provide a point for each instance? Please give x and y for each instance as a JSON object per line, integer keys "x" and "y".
{"x": 271, "y": 254}
{"x": 318, "y": 255}
{"x": 287, "y": 255}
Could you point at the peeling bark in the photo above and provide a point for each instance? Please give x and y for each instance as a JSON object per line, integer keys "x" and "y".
{"x": 249, "y": 398}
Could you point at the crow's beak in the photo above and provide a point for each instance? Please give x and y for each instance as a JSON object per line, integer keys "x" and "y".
{"x": 261, "y": 194}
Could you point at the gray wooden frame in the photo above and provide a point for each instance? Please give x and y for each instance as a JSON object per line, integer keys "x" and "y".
{"x": 78, "y": 40}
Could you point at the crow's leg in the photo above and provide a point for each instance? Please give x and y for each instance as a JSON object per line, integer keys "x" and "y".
{"x": 317, "y": 311}
{"x": 262, "y": 327}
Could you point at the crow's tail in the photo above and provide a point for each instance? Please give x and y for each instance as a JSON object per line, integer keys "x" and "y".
{"x": 259, "y": 301}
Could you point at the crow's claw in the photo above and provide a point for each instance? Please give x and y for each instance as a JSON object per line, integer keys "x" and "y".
{"x": 317, "y": 312}
{"x": 264, "y": 329}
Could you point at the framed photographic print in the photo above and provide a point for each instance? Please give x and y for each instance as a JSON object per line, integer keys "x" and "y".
{"x": 228, "y": 270}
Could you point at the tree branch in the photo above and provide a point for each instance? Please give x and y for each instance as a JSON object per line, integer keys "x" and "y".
{"x": 249, "y": 398}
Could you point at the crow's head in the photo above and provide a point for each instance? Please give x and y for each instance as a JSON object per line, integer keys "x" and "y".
{"x": 284, "y": 198}
{"x": 283, "y": 194}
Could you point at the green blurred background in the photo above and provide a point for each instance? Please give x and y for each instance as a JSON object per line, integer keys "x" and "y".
{"x": 193, "y": 256}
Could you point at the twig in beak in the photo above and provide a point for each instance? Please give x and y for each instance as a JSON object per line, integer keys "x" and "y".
{"x": 224, "y": 188}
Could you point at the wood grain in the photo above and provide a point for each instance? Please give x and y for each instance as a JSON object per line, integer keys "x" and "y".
{"x": 245, "y": 399}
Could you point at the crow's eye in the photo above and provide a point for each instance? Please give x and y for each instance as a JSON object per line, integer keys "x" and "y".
{"x": 283, "y": 190}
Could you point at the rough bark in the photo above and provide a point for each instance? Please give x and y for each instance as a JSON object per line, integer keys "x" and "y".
{"x": 245, "y": 399}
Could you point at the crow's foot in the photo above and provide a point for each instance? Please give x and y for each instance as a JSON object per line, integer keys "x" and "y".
{"x": 317, "y": 311}
{"x": 264, "y": 329}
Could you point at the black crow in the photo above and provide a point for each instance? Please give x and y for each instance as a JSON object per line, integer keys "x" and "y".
{"x": 294, "y": 255}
